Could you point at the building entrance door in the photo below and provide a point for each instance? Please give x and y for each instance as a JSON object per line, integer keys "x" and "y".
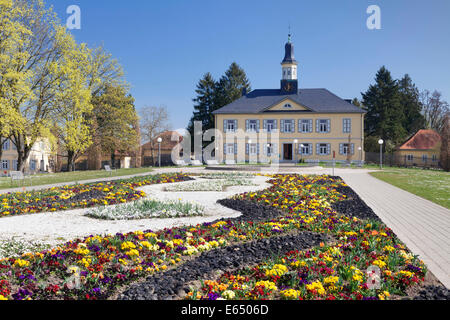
{"x": 287, "y": 152}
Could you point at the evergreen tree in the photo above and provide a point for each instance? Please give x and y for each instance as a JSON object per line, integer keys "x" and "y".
{"x": 385, "y": 115}
{"x": 204, "y": 103}
{"x": 410, "y": 100}
{"x": 230, "y": 86}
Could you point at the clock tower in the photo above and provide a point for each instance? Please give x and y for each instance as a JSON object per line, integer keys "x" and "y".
{"x": 289, "y": 82}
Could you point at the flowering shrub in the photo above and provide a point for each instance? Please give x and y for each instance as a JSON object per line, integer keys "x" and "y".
{"x": 81, "y": 196}
{"x": 94, "y": 267}
{"x": 147, "y": 209}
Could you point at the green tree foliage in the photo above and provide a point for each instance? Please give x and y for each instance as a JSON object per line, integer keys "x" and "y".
{"x": 410, "y": 100}
{"x": 116, "y": 119}
{"x": 213, "y": 95}
{"x": 385, "y": 113}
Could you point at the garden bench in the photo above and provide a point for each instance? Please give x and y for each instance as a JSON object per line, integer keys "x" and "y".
{"x": 108, "y": 169}
{"x": 196, "y": 163}
{"x": 19, "y": 176}
{"x": 180, "y": 163}
{"x": 212, "y": 162}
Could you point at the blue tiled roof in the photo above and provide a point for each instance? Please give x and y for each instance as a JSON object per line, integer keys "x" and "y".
{"x": 316, "y": 100}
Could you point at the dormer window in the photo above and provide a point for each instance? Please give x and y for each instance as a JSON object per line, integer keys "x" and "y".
{"x": 288, "y": 106}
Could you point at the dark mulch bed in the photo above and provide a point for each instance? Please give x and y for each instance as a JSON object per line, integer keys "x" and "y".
{"x": 251, "y": 211}
{"x": 354, "y": 206}
{"x": 432, "y": 292}
{"x": 173, "y": 283}
{"x": 88, "y": 195}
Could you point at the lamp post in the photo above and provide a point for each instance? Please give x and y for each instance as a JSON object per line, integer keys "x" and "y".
{"x": 295, "y": 150}
{"x": 360, "y": 155}
{"x": 380, "y": 142}
{"x": 159, "y": 151}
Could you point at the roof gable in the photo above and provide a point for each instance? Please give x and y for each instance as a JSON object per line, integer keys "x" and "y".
{"x": 422, "y": 140}
{"x": 282, "y": 106}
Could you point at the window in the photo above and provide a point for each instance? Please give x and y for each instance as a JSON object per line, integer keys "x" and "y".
{"x": 434, "y": 158}
{"x": 33, "y": 164}
{"x": 305, "y": 126}
{"x": 323, "y": 149}
{"x": 306, "y": 149}
{"x": 270, "y": 149}
{"x": 230, "y": 125}
{"x": 323, "y": 125}
{"x": 6, "y": 144}
{"x": 410, "y": 157}
{"x": 270, "y": 125}
{"x": 345, "y": 148}
{"x": 5, "y": 164}
{"x": 252, "y": 148}
{"x": 287, "y": 126}
{"x": 424, "y": 158}
{"x": 288, "y": 106}
{"x": 347, "y": 123}
{"x": 252, "y": 125}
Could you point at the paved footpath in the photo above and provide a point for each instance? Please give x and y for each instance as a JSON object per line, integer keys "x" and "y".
{"x": 423, "y": 226}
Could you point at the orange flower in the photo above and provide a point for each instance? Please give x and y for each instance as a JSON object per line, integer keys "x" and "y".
{"x": 322, "y": 244}
{"x": 361, "y": 230}
{"x": 374, "y": 232}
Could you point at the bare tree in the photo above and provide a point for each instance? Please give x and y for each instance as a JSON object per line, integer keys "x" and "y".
{"x": 434, "y": 109}
{"x": 154, "y": 121}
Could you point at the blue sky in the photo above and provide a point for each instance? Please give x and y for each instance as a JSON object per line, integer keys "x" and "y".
{"x": 166, "y": 46}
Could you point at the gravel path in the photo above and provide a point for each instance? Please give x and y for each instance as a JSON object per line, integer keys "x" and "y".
{"x": 58, "y": 227}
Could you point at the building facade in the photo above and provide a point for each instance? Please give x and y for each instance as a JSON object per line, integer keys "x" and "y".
{"x": 422, "y": 150}
{"x": 290, "y": 124}
{"x": 40, "y": 159}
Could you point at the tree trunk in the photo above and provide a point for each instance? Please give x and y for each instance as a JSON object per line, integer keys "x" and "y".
{"x": 113, "y": 160}
{"x": 70, "y": 161}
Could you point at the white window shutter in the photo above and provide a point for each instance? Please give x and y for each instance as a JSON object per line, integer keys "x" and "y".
{"x": 265, "y": 125}
{"x": 310, "y": 149}
{"x": 341, "y": 148}
{"x": 225, "y": 126}
{"x": 317, "y": 125}
{"x": 247, "y": 148}
{"x": 318, "y": 148}
{"x": 328, "y": 126}
{"x": 235, "y": 148}
{"x": 328, "y": 149}
{"x": 257, "y": 149}
{"x": 353, "y": 148}
{"x": 282, "y": 126}
{"x": 235, "y": 125}
{"x": 247, "y": 125}
{"x": 224, "y": 148}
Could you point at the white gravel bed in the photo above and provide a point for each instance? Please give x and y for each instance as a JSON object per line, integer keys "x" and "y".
{"x": 58, "y": 227}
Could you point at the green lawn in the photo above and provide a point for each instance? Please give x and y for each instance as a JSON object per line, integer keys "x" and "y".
{"x": 51, "y": 178}
{"x": 429, "y": 184}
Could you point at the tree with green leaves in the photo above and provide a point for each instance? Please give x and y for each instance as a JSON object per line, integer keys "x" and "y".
{"x": 213, "y": 95}
{"x": 115, "y": 119}
{"x": 385, "y": 114}
{"x": 231, "y": 85}
{"x": 410, "y": 100}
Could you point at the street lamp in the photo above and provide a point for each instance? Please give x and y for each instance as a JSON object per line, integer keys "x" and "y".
{"x": 360, "y": 155}
{"x": 295, "y": 150}
{"x": 380, "y": 142}
{"x": 159, "y": 151}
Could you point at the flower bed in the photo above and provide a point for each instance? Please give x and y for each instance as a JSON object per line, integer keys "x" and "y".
{"x": 228, "y": 175}
{"x": 100, "y": 264}
{"x": 81, "y": 196}
{"x": 147, "y": 209}
{"x": 212, "y": 185}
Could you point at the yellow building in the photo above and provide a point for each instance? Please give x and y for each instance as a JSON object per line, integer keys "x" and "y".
{"x": 290, "y": 124}
{"x": 39, "y": 160}
{"x": 421, "y": 150}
